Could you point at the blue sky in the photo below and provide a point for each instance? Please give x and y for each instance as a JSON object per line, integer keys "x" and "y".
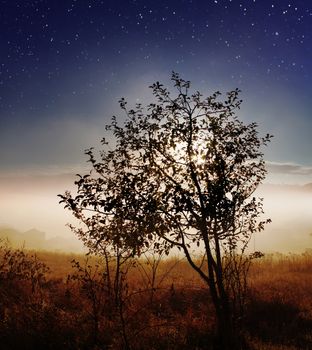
{"x": 65, "y": 64}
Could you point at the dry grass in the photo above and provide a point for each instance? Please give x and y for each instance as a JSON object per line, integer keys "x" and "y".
{"x": 170, "y": 311}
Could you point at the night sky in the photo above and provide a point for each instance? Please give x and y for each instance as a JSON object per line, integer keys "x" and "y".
{"x": 65, "y": 64}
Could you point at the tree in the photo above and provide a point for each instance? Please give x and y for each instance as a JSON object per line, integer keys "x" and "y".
{"x": 179, "y": 174}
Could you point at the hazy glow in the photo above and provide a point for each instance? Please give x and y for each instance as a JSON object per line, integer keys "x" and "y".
{"x": 290, "y": 209}
{"x": 31, "y": 202}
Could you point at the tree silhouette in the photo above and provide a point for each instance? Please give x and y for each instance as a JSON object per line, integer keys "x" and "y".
{"x": 179, "y": 174}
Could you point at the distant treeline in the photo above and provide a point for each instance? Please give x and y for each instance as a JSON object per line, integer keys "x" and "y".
{"x": 35, "y": 239}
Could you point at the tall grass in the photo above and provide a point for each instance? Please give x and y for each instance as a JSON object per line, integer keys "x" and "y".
{"x": 160, "y": 304}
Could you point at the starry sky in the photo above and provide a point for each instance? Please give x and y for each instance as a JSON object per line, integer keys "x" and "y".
{"x": 65, "y": 64}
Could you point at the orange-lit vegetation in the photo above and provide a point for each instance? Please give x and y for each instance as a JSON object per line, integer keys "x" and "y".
{"x": 59, "y": 301}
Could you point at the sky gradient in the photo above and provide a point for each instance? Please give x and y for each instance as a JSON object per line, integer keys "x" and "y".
{"x": 65, "y": 64}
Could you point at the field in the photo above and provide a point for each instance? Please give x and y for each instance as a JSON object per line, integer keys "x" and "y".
{"x": 63, "y": 301}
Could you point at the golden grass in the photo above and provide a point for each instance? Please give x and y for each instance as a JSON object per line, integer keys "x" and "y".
{"x": 173, "y": 311}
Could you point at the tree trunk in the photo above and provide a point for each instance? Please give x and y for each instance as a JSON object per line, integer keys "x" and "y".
{"x": 228, "y": 336}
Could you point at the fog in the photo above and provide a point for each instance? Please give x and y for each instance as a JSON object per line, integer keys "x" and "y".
{"x": 31, "y": 202}
{"x": 290, "y": 208}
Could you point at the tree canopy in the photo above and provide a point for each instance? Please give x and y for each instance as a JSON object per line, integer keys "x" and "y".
{"x": 181, "y": 172}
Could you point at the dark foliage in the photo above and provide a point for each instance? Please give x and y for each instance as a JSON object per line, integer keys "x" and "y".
{"x": 180, "y": 173}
